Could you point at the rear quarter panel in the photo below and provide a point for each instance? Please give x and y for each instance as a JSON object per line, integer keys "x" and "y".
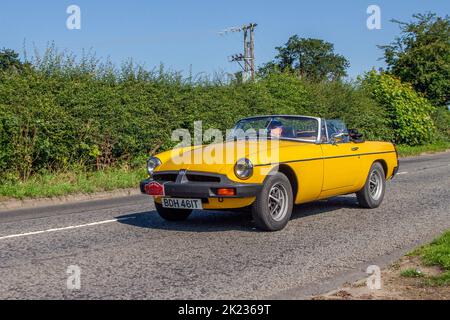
{"x": 372, "y": 151}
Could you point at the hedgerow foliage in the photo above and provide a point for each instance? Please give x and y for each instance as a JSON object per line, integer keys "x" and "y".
{"x": 59, "y": 113}
{"x": 408, "y": 113}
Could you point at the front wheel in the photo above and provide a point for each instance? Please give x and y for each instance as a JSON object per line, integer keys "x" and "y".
{"x": 273, "y": 206}
{"x": 172, "y": 214}
{"x": 372, "y": 195}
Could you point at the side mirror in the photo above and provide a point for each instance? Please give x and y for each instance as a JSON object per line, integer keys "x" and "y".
{"x": 338, "y": 138}
{"x": 356, "y": 136}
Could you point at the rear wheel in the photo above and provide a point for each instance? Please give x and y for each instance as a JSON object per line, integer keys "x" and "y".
{"x": 172, "y": 214}
{"x": 272, "y": 209}
{"x": 372, "y": 195}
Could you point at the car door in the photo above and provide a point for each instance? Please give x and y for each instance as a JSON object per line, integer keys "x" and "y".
{"x": 341, "y": 160}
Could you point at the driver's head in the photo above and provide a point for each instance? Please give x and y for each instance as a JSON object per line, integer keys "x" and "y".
{"x": 276, "y": 128}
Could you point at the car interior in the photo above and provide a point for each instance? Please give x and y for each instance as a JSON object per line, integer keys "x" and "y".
{"x": 283, "y": 129}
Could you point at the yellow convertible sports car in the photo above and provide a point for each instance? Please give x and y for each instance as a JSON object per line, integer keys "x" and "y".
{"x": 270, "y": 164}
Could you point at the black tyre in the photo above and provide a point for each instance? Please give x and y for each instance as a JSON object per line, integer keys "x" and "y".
{"x": 172, "y": 214}
{"x": 372, "y": 195}
{"x": 272, "y": 209}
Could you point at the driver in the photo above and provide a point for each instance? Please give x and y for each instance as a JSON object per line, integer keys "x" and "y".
{"x": 276, "y": 129}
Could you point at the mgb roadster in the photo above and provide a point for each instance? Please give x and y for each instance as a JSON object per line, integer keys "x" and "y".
{"x": 269, "y": 164}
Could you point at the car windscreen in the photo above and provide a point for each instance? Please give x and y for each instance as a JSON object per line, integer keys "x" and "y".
{"x": 278, "y": 127}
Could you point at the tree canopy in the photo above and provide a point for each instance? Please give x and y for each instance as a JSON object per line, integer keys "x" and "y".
{"x": 421, "y": 56}
{"x": 9, "y": 59}
{"x": 311, "y": 59}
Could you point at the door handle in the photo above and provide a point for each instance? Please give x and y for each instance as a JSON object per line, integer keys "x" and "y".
{"x": 355, "y": 149}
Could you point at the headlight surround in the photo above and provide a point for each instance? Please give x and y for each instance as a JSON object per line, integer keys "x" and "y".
{"x": 243, "y": 169}
{"x": 152, "y": 164}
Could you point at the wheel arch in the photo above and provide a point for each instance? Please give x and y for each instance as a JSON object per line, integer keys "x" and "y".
{"x": 290, "y": 174}
{"x": 384, "y": 165}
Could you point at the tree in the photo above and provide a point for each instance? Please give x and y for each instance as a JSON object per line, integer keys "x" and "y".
{"x": 421, "y": 56}
{"x": 9, "y": 59}
{"x": 313, "y": 59}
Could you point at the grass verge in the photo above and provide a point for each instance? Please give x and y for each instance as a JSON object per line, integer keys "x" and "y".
{"x": 436, "y": 254}
{"x": 64, "y": 183}
{"x": 424, "y": 274}
{"x": 409, "y": 151}
{"x": 411, "y": 273}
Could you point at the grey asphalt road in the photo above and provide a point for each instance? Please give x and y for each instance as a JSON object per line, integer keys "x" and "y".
{"x": 125, "y": 251}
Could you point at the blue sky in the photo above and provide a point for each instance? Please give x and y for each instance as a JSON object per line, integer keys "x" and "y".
{"x": 184, "y": 33}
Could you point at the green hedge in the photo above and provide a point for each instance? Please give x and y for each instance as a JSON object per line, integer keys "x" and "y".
{"x": 409, "y": 114}
{"x": 54, "y": 119}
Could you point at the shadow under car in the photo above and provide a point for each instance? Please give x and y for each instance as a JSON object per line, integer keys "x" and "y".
{"x": 216, "y": 221}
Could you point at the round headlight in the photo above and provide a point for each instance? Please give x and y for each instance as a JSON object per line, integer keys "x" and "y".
{"x": 152, "y": 164}
{"x": 243, "y": 169}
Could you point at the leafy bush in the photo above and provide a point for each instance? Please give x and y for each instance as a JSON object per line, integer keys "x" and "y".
{"x": 408, "y": 113}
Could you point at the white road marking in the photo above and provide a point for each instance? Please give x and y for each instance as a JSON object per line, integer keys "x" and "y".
{"x": 65, "y": 228}
{"x": 402, "y": 173}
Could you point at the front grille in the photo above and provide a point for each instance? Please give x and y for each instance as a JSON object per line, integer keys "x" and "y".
{"x": 165, "y": 177}
{"x": 202, "y": 178}
{"x": 189, "y": 177}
